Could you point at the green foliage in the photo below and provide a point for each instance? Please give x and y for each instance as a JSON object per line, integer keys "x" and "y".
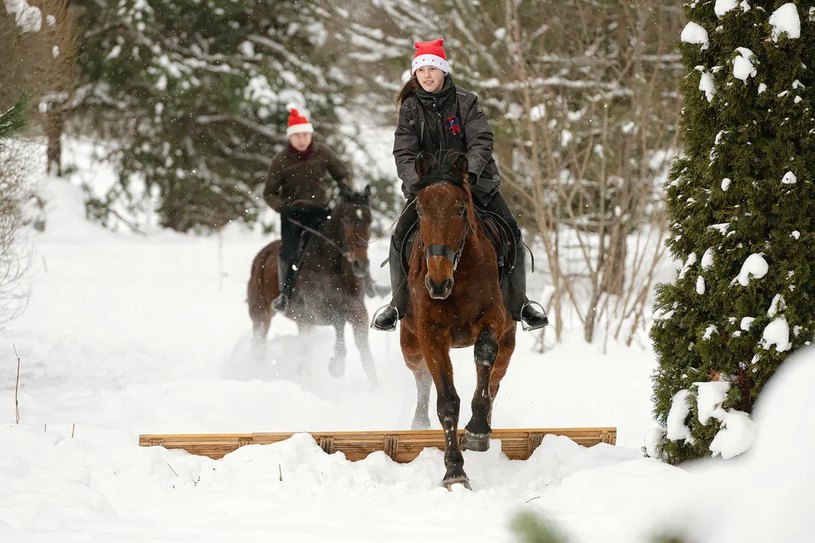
{"x": 195, "y": 92}
{"x": 726, "y": 200}
{"x": 13, "y": 120}
{"x": 531, "y": 528}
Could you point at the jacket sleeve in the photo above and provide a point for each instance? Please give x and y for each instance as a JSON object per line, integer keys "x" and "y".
{"x": 479, "y": 139}
{"x": 405, "y": 149}
{"x": 271, "y": 192}
{"x": 336, "y": 168}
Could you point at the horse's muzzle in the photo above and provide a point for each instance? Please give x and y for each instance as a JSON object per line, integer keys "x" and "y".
{"x": 439, "y": 291}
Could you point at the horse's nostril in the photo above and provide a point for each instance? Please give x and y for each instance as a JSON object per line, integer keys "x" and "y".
{"x": 439, "y": 291}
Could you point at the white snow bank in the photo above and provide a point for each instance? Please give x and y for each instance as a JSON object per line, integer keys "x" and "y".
{"x": 723, "y": 6}
{"x": 754, "y": 266}
{"x": 785, "y": 20}
{"x": 706, "y": 83}
{"x": 736, "y": 435}
{"x": 743, "y": 66}
{"x": 695, "y": 34}
{"x": 26, "y": 17}
{"x": 789, "y": 179}
{"x": 676, "y": 428}
{"x": 771, "y": 484}
{"x": 710, "y": 397}
{"x": 776, "y": 333}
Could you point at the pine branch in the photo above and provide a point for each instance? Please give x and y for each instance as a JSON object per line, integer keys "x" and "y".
{"x": 13, "y": 120}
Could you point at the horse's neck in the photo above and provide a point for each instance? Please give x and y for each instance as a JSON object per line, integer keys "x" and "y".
{"x": 330, "y": 228}
{"x": 320, "y": 245}
{"x": 477, "y": 241}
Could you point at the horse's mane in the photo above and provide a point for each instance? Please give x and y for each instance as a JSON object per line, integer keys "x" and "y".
{"x": 442, "y": 161}
{"x": 442, "y": 170}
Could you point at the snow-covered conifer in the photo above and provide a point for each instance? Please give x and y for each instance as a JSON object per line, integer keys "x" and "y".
{"x": 742, "y": 195}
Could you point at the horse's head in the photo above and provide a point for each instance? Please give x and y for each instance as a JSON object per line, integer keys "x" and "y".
{"x": 353, "y": 213}
{"x": 444, "y": 206}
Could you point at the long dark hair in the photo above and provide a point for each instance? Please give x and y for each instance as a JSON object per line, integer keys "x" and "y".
{"x": 410, "y": 87}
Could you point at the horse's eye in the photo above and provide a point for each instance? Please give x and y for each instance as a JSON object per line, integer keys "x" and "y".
{"x": 462, "y": 211}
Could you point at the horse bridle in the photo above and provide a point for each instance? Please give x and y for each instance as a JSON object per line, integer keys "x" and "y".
{"x": 343, "y": 251}
{"x": 438, "y": 249}
{"x": 446, "y": 252}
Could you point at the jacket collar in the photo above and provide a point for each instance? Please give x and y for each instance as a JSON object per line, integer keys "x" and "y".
{"x": 305, "y": 154}
{"x": 441, "y": 99}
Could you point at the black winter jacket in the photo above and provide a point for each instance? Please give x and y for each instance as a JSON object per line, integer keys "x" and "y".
{"x": 305, "y": 176}
{"x": 450, "y": 119}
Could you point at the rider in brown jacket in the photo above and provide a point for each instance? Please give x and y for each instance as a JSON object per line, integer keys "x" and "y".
{"x": 299, "y": 186}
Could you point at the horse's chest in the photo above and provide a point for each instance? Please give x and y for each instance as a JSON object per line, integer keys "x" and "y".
{"x": 463, "y": 324}
{"x": 463, "y": 338}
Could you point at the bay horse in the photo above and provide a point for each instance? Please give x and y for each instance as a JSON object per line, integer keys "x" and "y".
{"x": 329, "y": 290}
{"x": 455, "y": 301}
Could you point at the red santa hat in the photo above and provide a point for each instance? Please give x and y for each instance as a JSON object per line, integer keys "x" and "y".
{"x": 298, "y": 124}
{"x": 429, "y": 53}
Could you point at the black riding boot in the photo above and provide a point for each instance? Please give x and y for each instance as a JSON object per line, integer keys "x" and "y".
{"x": 286, "y": 275}
{"x": 387, "y": 317}
{"x": 520, "y": 307}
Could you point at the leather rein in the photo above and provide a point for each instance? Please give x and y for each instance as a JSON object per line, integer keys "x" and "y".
{"x": 343, "y": 251}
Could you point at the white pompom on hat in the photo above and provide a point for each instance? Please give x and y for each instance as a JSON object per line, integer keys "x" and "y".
{"x": 298, "y": 124}
{"x": 429, "y": 53}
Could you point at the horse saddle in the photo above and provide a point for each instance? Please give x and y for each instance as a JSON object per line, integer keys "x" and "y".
{"x": 498, "y": 232}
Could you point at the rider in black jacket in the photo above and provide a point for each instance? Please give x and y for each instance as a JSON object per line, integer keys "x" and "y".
{"x": 436, "y": 114}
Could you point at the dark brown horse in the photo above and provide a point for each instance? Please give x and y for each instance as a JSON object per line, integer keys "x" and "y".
{"x": 330, "y": 284}
{"x": 455, "y": 301}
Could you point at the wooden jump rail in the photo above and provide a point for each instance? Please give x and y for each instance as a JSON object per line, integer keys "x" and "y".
{"x": 402, "y": 446}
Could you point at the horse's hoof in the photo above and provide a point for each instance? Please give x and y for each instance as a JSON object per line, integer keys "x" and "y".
{"x": 457, "y": 480}
{"x": 475, "y": 442}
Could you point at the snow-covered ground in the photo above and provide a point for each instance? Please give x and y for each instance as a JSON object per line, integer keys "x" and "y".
{"x": 128, "y": 334}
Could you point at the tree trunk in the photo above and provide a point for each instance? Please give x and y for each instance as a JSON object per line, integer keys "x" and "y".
{"x": 53, "y": 128}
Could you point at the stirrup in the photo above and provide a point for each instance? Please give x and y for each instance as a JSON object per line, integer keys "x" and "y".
{"x": 378, "y": 312}
{"x": 527, "y": 327}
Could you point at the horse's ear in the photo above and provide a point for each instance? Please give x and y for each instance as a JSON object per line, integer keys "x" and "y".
{"x": 424, "y": 163}
{"x": 366, "y": 192}
{"x": 461, "y": 164}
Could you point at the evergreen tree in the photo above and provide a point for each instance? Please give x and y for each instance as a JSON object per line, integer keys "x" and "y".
{"x": 195, "y": 93}
{"x": 13, "y": 119}
{"x": 741, "y": 203}
{"x": 14, "y": 193}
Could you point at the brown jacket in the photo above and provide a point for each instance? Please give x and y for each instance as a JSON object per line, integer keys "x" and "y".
{"x": 292, "y": 178}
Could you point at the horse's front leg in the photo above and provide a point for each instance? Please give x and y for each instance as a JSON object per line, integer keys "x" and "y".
{"x": 359, "y": 323}
{"x": 337, "y": 365}
{"x": 506, "y": 346}
{"x": 477, "y": 432}
{"x": 436, "y": 348}
{"x": 415, "y": 361}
